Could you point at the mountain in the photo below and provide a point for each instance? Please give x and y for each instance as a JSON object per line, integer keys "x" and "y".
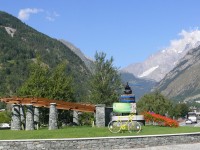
{"x": 20, "y": 45}
{"x": 138, "y": 86}
{"x": 88, "y": 62}
{"x": 159, "y": 64}
{"x": 183, "y": 82}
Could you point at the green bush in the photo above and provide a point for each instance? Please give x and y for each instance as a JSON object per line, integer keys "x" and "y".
{"x": 2, "y": 105}
{"x": 86, "y": 118}
{"x": 5, "y": 117}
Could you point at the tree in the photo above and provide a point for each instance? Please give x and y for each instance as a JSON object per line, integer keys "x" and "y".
{"x": 181, "y": 110}
{"x": 37, "y": 83}
{"x": 60, "y": 84}
{"x": 46, "y": 83}
{"x": 154, "y": 102}
{"x": 105, "y": 83}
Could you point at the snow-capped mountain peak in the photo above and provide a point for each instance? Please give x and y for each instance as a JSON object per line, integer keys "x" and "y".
{"x": 160, "y": 63}
{"x": 146, "y": 73}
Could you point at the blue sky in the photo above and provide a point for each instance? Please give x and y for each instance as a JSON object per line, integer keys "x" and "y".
{"x": 128, "y": 30}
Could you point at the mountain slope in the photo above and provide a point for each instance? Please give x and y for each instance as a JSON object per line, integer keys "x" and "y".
{"x": 183, "y": 82}
{"x": 159, "y": 64}
{"x": 88, "y": 62}
{"x": 19, "y": 46}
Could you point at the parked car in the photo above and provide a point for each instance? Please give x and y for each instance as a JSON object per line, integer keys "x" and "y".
{"x": 4, "y": 126}
{"x": 192, "y": 116}
{"x": 188, "y": 121}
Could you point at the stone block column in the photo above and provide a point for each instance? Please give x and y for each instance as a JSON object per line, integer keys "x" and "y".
{"x": 36, "y": 117}
{"x": 16, "y": 120}
{"x": 53, "y": 117}
{"x": 100, "y": 115}
{"x": 75, "y": 117}
{"x": 29, "y": 117}
{"x": 22, "y": 115}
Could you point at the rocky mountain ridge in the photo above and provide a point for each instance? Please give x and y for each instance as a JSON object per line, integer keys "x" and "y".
{"x": 183, "y": 82}
{"x": 88, "y": 62}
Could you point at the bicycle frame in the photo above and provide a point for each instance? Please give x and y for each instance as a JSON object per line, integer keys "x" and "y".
{"x": 122, "y": 123}
{"x": 124, "y": 127}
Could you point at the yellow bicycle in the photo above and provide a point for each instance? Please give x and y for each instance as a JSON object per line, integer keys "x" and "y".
{"x": 122, "y": 123}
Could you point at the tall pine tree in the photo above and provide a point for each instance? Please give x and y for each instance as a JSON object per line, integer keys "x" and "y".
{"x": 37, "y": 83}
{"x": 105, "y": 83}
{"x": 60, "y": 84}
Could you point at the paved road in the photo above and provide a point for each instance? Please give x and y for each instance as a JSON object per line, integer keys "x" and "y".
{"x": 194, "y": 146}
{"x": 198, "y": 124}
{"x": 192, "y": 125}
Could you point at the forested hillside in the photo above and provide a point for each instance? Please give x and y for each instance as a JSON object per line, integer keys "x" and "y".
{"x": 19, "y": 47}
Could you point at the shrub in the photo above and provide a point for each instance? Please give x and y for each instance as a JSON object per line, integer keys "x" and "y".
{"x": 5, "y": 117}
{"x": 161, "y": 120}
{"x": 86, "y": 118}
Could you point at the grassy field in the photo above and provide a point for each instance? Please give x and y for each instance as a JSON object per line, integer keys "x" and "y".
{"x": 79, "y": 132}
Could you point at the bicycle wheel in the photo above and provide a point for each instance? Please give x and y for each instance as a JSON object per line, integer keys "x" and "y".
{"x": 114, "y": 126}
{"x": 134, "y": 126}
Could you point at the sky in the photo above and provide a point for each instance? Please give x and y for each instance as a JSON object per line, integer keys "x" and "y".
{"x": 128, "y": 30}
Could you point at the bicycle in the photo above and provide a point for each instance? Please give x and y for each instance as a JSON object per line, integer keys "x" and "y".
{"x": 122, "y": 123}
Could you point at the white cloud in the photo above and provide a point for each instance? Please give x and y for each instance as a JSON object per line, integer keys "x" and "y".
{"x": 190, "y": 38}
{"x": 52, "y": 16}
{"x": 24, "y": 14}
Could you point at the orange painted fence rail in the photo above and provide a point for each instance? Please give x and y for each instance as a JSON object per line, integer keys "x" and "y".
{"x": 44, "y": 102}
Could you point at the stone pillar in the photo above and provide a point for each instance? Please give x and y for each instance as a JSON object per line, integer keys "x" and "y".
{"x": 36, "y": 117}
{"x": 75, "y": 117}
{"x": 100, "y": 115}
{"x": 22, "y": 115}
{"x": 53, "y": 117}
{"x": 16, "y": 120}
{"x": 29, "y": 117}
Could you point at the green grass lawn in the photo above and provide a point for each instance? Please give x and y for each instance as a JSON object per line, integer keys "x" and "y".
{"x": 79, "y": 132}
